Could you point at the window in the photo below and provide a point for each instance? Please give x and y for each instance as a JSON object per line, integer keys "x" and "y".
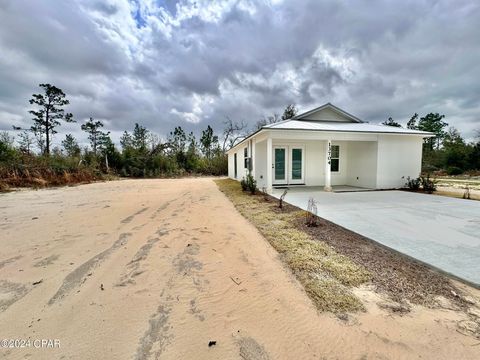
{"x": 296, "y": 164}
{"x": 246, "y": 159}
{"x": 235, "y": 164}
{"x": 335, "y": 158}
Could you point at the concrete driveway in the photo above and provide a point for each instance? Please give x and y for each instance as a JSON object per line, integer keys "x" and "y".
{"x": 441, "y": 231}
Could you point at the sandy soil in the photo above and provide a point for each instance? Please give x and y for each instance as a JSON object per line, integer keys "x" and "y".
{"x": 146, "y": 269}
{"x": 457, "y": 192}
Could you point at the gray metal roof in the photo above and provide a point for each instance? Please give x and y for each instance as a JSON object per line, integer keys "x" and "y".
{"x": 352, "y": 125}
{"x": 334, "y": 126}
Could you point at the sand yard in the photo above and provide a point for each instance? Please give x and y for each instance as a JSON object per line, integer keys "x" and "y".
{"x": 147, "y": 269}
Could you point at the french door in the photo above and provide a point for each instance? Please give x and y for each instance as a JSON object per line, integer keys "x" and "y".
{"x": 297, "y": 165}
{"x": 280, "y": 165}
{"x": 288, "y": 165}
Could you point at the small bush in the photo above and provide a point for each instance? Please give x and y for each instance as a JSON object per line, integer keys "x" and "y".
{"x": 428, "y": 185}
{"x": 243, "y": 184}
{"x": 453, "y": 170}
{"x": 413, "y": 184}
{"x": 251, "y": 184}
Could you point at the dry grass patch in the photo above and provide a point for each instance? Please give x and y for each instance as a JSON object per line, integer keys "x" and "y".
{"x": 326, "y": 275}
{"x": 43, "y": 176}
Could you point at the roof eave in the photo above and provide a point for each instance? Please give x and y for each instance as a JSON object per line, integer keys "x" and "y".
{"x": 423, "y": 134}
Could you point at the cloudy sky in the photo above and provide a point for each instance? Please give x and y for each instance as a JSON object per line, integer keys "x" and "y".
{"x": 192, "y": 63}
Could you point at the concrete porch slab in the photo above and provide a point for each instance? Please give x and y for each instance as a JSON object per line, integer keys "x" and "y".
{"x": 440, "y": 231}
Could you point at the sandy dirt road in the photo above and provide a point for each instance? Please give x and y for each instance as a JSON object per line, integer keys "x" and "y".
{"x": 155, "y": 269}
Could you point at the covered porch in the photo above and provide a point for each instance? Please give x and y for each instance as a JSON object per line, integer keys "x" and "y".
{"x": 340, "y": 163}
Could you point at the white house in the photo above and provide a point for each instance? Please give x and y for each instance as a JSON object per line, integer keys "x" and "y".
{"x": 327, "y": 146}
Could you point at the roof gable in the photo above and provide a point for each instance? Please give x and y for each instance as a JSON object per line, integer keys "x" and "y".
{"x": 328, "y": 112}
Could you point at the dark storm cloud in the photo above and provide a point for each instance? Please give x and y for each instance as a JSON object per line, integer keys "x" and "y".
{"x": 192, "y": 63}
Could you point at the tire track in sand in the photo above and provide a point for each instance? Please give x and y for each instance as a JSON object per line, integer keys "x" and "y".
{"x": 78, "y": 276}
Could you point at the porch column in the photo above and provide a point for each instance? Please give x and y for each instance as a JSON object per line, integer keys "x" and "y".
{"x": 269, "y": 164}
{"x": 328, "y": 171}
{"x": 252, "y": 157}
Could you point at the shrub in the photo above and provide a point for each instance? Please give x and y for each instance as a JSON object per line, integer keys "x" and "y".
{"x": 243, "y": 184}
{"x": 454, "y": 170}
{"x": 413, "y": 184}
{"x": 248, "y": 183}
{"x": 428, "y": 185}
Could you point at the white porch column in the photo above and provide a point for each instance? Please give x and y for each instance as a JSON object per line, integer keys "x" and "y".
{"x": 269, "y": 164}
{"x": 328, "y": 171}
{"x": 252, "y": 157}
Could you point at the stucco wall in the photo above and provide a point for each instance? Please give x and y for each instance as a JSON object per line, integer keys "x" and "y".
{"x": 362, "y": 160}
{"x": 398, "y": 158}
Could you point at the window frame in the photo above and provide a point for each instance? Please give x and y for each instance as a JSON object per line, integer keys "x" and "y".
{"x": 235, "y": 165}
{"x": 246, "y": 159}
{"x": 335, "y": 158}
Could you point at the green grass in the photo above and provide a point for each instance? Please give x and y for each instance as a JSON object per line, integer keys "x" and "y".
{"x": 327, "y": 276}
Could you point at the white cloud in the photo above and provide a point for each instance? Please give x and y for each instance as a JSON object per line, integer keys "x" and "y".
{"x": 194, "y": 62}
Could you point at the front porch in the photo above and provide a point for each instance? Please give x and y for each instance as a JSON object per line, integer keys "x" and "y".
{"x": 344, "y": 164}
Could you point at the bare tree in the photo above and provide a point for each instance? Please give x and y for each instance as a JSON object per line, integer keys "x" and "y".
{"x": 6, "y": 138}
{"x": 153, "y": 140}
{"x": 232, "y": 133}
{"x": 25, "y": 141}
{"x": 266, "y": 120}
{"x": 311, "y": 213}
{"x": 282, "y": 198}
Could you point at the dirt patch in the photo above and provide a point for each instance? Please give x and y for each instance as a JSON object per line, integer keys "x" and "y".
{"x": 10, "y": 293}
{"x": 185, "y": 261}
{"x": 131, "y": 217}
{"x": 10, "y": 260}
{"x": 134, "y": 265}
{"x": 80, "y": 274}
{"x": 47, "y": 261}
{"x": 155, "y": 338}
{"x": 251, "y": 350}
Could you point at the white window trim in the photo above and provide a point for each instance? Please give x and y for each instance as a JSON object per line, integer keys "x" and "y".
{"x": 339, "y": 160}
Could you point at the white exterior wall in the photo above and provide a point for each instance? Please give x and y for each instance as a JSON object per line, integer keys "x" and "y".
{"x": 231, "y": 170}
{"x": 261, "y": 164}
{"x": 241, "y": 171}
{"x": 366, "y": 160}
{"x": 340, "y": 177}
{"x": 398, "y": 157}
{"x": 362, "y": 160}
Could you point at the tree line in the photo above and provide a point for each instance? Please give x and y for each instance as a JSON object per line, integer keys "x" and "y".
{"x": 447, "y": 150}
{"x": 141, "y": 153}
